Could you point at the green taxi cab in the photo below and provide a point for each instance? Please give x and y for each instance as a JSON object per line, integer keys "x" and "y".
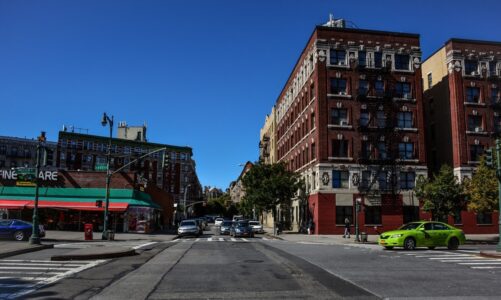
{"x": 423, "y": 234}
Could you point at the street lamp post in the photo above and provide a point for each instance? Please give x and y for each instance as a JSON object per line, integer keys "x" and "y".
{"x": 107, "y": 121}
{"x": 184, "y": 200}
{"x": 498, "y": 173}
{"x": 357, "y": 209}
{"x": 35, "y": 236}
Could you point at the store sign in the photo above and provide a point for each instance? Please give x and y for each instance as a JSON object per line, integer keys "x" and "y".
{"x": 28, "y": 175}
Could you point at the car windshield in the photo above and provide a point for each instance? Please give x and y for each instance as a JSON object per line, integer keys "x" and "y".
{"x": 410, "y": 226}
{"x": 242, "y": 224}
{"x": 227, "y": 223}
{"x": 188, "y": 223}
{"x": 254, "y": 223}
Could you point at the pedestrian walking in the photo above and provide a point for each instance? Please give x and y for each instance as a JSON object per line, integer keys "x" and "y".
{"x": 346, "y": 228}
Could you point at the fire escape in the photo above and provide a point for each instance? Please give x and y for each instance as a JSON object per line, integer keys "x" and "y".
{"x": 379, "y": 158}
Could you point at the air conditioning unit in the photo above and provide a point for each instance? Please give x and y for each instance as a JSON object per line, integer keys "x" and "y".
{"x": 478, "y": 129}
{"x": 474, "y": 73}
{"x": 342, "y": 93}
{"x": 341, "y": 63}
{"x": 344, "y": 123}
{"x": 407, "y": 96}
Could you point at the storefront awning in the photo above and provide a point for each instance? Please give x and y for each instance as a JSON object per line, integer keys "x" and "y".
{"x": 73, "y": 198}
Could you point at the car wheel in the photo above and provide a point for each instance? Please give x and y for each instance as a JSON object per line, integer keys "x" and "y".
{"x": 453, "y": 244}
{"x": 431, "y": 247}
{"x": 388, "y": 247}
{"x": 19, "y": 236}
{"x": 409, "y": 244}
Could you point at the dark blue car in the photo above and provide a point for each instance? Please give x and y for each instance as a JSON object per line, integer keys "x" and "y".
{"x": 18, "y": 229}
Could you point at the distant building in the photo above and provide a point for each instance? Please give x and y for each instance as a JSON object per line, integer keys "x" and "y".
{"x": 237, "y": 190}
{"x": 212, "y": 193}
{"x": 267, "y": 139}
{"x": 21, "y": 152}
{"x": 132, "y": 133}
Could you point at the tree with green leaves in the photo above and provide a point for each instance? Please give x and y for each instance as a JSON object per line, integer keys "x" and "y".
{"x": 482, "y": 189}
{"x": 270, "y": 185}
{"x": 443, "y": 196}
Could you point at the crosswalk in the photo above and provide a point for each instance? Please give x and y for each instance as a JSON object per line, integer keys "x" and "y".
{"x": 219, "y": 239}
{"x": 21, "y": 277}
{"x": 470, "y": 260}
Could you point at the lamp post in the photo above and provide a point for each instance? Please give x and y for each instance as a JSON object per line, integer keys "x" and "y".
{"x": 184, "y": 200}
{"x": 498, "y": 173}
{"x": 358, "y": 202}
{"x": 107, "y": 121}
{"x": 35, "y": 237}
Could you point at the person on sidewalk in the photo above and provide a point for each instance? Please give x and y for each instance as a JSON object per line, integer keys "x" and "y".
{"x": 346, "y": 228}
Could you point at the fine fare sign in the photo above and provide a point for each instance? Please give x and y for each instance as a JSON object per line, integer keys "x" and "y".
{"x": 26, "y": 177}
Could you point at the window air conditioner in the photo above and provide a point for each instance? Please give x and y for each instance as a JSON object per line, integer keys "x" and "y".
{"x": 407, "y": 96}
{"x": 342, "y": 93}
{"x": 478, "y": 129}
{"x": 341, "y": 63}
{"x": 344, "y": 123}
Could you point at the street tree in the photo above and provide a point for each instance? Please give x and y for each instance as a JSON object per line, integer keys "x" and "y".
{"x": 482, "y": 189}
{"x": 443, "y": 195}
{"x": 270, "y": 185}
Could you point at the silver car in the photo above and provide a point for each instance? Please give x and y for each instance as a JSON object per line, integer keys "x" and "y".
{"x": 225, "y": 227}
{"x": 188, "y": 227}
{"x": 256, "y": 226}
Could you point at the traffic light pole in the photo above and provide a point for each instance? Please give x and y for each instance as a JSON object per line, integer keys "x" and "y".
{"x": 498, "y": 173}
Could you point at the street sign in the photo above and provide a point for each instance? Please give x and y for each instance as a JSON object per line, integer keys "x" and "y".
{"x": 101, "y": 167}
{"x": 26, "y": 176}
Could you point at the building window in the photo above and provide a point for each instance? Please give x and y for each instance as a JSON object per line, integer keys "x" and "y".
{"x": 403, "y": 90}
{"x": 430, "y": 80}
{"x": 313, "y": 151}
{"x": 339, "y": 116}
{"x": 484, "y": 218}
{"x": 364, "y": 118}
{"x": 312, "y": 121}
{"x": 338, "y": 57}
{"x": 343, "y": 212}
{"x": 312, "y": 91}
{"x": 476, "y": 151}
{"x": 492, "y": 68}
{"x": 457, "y": 217}
{"x": 470, "y": 66}
{"x": 366, "y": 150}
{"x": 340, "y": 148}
{"x": 366, "y": 179}
{"x": 383, "y": 182}
{"x": 381, "y": 119}
{"x": 379, "y": 88}
{"x": 362, "y": 58}
{"x": 497, "y": 123}
{"x": 363, "y": 87}
{"x": 382, "y": 151}
{"x": 372, "y": 215}
{"x": 472, "y": 94}
{"x": 474, "y": 123}
{"x": 411, "y": 214}
{"x": 340, "y": 179}
{"x": 402, "y": 62}
{"x": 404, "y": 119}
{"x": 406, "y": 150}
{"x": 378, "y": 59}
{"x": 13, "y": 151}
{"x": 338, "y": 86}
{"x": 407, "y": 180}
{"x": 494, "y": 95}
{"x": 3, "y": 150}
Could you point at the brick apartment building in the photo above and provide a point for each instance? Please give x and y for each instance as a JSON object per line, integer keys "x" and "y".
{"x": 21, "y": 152}
{"x": 349, "y": 120}
{"x": 462, "y": 107}
{"x": 86, "y": 152}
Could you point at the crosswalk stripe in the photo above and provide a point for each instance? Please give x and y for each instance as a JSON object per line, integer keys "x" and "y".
{"x": 454, "y": 258}
{"x": 486, "y": 267}
{"x": 233, "y": 239}
{"x": 480, "y": 263}
{"x": 445, "y": 255}
{"x": 198, "y": 239}
{"x": 40, "y": 264}
{"x": 209, "y": 239}
{"x": 81, "y": 262}
{"x": 471, "y": 260}
{"x": 221, "y": 239}
{"x": 35, "y": 268}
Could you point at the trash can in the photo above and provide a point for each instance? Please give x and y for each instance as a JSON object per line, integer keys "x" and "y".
{"x": 88, "y": 228}
{"x": 363, "y": 237}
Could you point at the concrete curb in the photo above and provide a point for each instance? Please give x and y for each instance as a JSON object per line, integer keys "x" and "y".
{"x": 25, "y": 250}
{"x": 491, "y": 254}
{"x": 90, "y": 256}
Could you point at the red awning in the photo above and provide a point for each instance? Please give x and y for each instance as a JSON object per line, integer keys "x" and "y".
{"x": 18, "y": 204}
{"x": 13, "y": 204}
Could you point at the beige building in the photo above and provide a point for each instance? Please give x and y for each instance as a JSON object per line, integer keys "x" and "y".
{"x": 267, "y": 139}
{"x": 237, "y": 190}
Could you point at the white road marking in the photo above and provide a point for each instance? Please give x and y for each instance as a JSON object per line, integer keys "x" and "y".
{"x": 233, "y": 240}
{"x": 198, "y": 239}
{"x": 245, "y": 240}
{"x": 444, "y": 255}
{"x": 143, "y": 245}
{"x": 39, "y": 264}
{"x": 81, "y": 262}
{"x": 471, "y": 260}
{"x": 482, "y": 267}
{"x": 35, "y": 268}
{"x": 221, "y": 239}
{"x": 480, "y": 263}
{"x": 454, "y": 258}
{"x": 209, "y": 239}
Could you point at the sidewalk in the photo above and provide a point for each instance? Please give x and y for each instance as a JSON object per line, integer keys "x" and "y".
{"x": 124, "y": 244}
{"x": 335, "y": 239}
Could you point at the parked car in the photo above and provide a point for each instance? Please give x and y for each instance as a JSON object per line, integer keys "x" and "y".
{"x": 423, "y": 234}
{"x": 238, "y": 218}
{"x": 256, "y": 226}
{"x": 188, "y": 227}
{"x": 241, "y": 228}
{"x": 18, "y": 229}
{"x": 218, "y": 221}
{"x": 225, "y": 227}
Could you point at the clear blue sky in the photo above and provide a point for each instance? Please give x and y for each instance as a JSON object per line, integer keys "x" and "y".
{"x": 200, "y": 73}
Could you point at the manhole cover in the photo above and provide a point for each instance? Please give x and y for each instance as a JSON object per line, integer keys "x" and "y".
{"x": 253, "y": 261}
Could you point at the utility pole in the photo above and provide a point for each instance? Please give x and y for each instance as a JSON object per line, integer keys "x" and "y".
{"x": 106, "y": 120}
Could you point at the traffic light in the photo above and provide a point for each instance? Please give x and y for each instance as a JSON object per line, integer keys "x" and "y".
{"x": 488, "y": 157}
{"x": 165, "y": 160}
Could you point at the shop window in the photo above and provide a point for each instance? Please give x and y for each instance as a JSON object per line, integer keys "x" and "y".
{"x": 340, "y": 179}
{"x": 410, "y": 214}
{"x": 372, "y": 215}
{"x": 343, "y": 212}
{"x": 484, "y": 218}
